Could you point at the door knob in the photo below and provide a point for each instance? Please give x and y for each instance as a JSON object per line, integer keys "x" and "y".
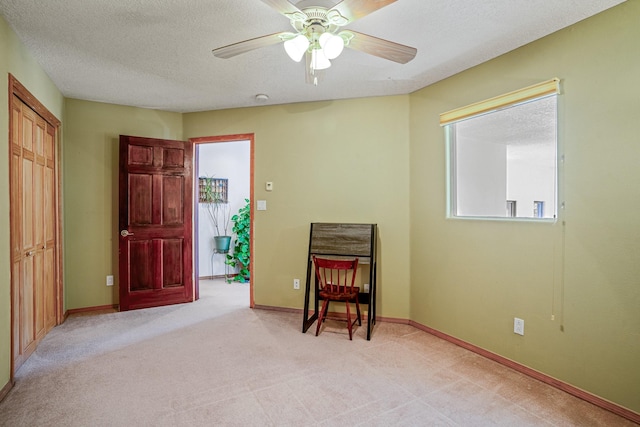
{"x": 125, "y": 233}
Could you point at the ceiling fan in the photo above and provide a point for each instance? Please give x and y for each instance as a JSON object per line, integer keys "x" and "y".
{"x": 317, "y": 36}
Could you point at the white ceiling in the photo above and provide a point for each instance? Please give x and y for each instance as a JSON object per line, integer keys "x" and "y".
{"x": 157, "y": 53}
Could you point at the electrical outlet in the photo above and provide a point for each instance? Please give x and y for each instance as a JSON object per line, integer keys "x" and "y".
{"x": 518, "y": 326}
{"x": 296, "y": 283}
{"x": 366, "y": 287}
{"x": 109, "y": 280}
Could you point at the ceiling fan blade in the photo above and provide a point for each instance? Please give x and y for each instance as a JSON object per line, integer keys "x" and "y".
{"x": 286, "y": 8}
{"x": 251, "y": 44}
{"x": 381, "y": 48}
{"x": 356, "y": 9}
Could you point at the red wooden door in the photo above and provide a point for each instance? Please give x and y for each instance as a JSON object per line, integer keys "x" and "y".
{"x": 155, "y": 249}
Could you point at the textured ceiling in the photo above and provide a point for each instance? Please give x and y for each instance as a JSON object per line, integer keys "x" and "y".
{"x": 157, "y": 53}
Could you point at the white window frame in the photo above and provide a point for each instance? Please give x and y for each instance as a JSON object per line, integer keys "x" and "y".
{"x": 530, "y": 93}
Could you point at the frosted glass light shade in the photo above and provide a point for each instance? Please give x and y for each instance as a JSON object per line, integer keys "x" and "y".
{"x": 331, "y": 44}
{"x": 296, "y": 47}
{"x": 318, "y": 60}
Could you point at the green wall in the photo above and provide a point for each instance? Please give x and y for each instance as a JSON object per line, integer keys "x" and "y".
{"x": 470, "y": 278}
{"x": 92, "y": 132}
{"x": 368, "y": 182}
{"x": 339, "y": 161}
{"x": 15, "y": 59}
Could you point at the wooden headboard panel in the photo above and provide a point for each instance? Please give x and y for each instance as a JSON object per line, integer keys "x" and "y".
{"x": 341, "y": 239}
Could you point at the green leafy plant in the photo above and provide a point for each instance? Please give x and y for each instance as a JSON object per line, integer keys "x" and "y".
{"x": 241, "y": 256}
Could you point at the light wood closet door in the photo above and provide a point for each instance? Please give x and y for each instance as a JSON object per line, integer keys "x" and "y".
{"x": 34, "y": 246}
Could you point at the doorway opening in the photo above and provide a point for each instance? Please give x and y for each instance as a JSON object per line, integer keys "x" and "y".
{"x": 223, "y": 178}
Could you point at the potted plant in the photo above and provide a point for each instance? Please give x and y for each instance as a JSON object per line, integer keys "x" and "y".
{"x": 241, "y": 256}
{"x": 213, "y": 194}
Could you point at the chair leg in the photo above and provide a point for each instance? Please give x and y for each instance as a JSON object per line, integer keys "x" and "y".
{"x": 358, "y": 311}
{"x": 321, "y": 315}
{"x": 349, "y": 320}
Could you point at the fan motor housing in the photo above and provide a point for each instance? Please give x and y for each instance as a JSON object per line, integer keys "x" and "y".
{"x": 316, "y": 22}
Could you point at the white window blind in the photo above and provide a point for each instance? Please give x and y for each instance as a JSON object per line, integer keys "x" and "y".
{"x": 548, "y": 87}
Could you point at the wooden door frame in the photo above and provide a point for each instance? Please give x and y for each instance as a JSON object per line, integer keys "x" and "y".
{"x": 18, "y": 90}
{"x": 224, "y": 138}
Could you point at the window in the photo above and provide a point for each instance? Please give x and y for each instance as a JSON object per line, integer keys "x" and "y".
{"x": 538, "y": 209}
{"x": 213, "y": 190}
{"x": 503, "y": 152}
{"x": 511, "y": 208}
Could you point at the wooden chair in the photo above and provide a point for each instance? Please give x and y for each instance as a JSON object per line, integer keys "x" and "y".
{"x": 335, "y": 283}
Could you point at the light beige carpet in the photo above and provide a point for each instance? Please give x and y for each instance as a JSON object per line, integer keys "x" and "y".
{"x": 217, "y": 362}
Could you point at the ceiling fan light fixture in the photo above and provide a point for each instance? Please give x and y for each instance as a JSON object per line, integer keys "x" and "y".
{"x": 296, "y": 47}
{"x": 331, "y": 44}
{"x": 318, "y": 37}
{"x": 319, "y": 61}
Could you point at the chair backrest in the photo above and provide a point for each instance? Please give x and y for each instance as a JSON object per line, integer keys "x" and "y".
{"x": 336, "y": 275}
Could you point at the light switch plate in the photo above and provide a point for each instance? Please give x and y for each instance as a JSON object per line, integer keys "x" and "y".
{"x": 261, "y": 205}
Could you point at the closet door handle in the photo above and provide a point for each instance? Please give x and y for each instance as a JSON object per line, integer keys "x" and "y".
{"x": 31, "y": 253}
{"x": 125, "y": 233}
